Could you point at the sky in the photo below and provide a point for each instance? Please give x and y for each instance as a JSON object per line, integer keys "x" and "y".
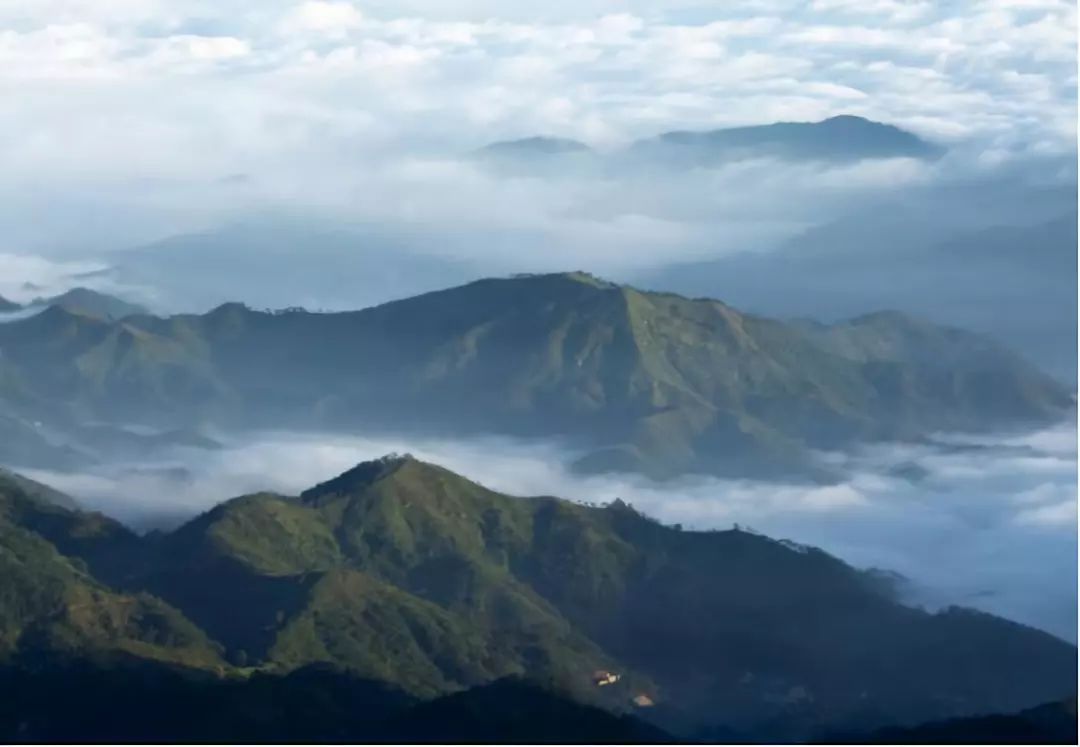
{"x": 141, "y": 118}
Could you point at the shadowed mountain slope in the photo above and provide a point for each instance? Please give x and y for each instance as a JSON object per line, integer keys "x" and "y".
{"x": 139, "y": 703}
{"x": 52, "y": 604}
{"x": 1052, "y": 723}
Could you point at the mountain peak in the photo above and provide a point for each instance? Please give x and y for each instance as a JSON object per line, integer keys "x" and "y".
{"x": 230, "y": 307}
{"x": 575, "y": 276}
{"x": 851, "y": 119}
{"x": 59, "y": 317}
{"x": 88, "y": 302}
{"x": 361, "y": 476}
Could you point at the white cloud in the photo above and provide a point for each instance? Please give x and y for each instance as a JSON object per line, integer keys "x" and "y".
{"x": 213, "y": 47}
{"x": 608, "y": 66}
{"x": 328, "y": 105}
{"x": 325, "y": 17}
{"x": 1058, "y": 515}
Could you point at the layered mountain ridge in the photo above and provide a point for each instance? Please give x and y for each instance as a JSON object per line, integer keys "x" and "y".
{"x": 633, "y": 380}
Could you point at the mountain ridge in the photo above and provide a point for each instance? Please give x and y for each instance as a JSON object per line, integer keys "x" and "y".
{"x": 639, "y": 381}
{"x": 839, "y": 139}
{"x": 91, "y": 303}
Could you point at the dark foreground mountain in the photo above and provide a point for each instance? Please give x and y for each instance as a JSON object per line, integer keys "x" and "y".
{"x": 7, "y": 306}
{"x": 405, "y": 574}
{"x": 135, "y": 702}
{"x": 637, "y": 381}
{"x": 1052, "y": 723}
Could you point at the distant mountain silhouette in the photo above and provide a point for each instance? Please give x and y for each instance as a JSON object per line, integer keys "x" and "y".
{"x": 277, "y": 261}
{"x": 92, "y": 303}
{"x": 1052, "y": 723}
{"x": 1010, "y": 282}
{"x": 535, "y": 146}
{"x": 843, "y": 138}
{"x": 840, "y": 139}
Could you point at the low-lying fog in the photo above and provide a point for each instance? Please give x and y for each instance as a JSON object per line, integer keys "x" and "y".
{"x": 987, "y": 523}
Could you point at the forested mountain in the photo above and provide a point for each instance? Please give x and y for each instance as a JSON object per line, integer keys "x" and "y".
{"x": 406, "y": 574}
{"x": 636, "y": 381}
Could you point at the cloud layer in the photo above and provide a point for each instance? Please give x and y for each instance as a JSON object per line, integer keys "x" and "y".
{"x": 245, "y": 79}
{"x": 208, "y": 107}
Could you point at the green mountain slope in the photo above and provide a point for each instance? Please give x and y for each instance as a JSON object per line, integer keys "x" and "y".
{"x": 388, "y": 575}
{"x": 405, "y": 573}
{"x": 639, "y": 381}
{"x": 14, "y": 483}
{"x": 50, "y": 601}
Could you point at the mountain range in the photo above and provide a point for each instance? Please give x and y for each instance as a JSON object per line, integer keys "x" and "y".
{"x": 631, "y": 380}
{"x": 403, "y": 574}
{"x": 840, "y": 139}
